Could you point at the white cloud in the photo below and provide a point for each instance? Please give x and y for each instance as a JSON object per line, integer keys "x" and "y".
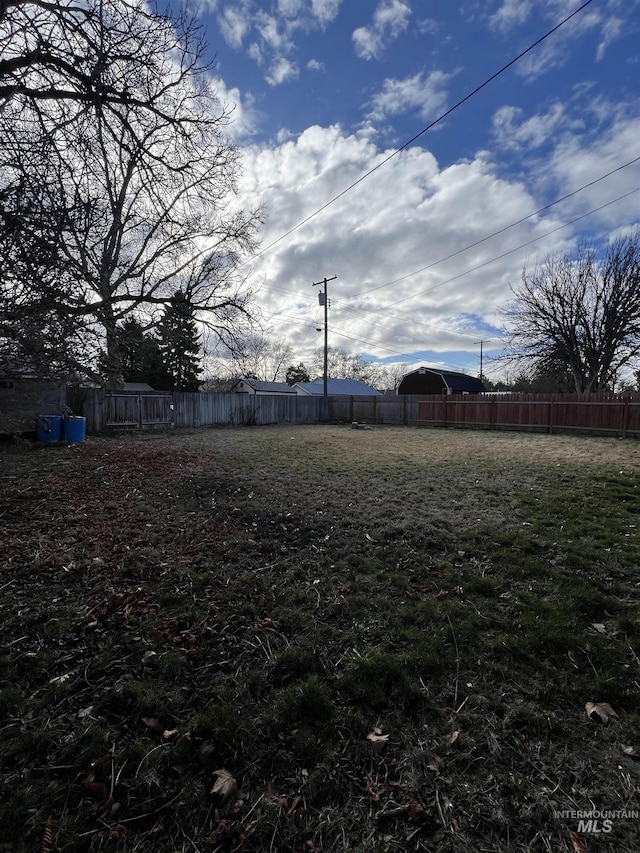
{"x": 512, "y": 13}
{"x": 281, "y": 70}
{"x": 405, "y": 216}
{"x": 234, "y": 24}
{"x": 555, "y": 51}
{"x": 426, "y": 94}
{"x": 390, "y": 18}
{"x": 254, "y": 51}
{"x": 610, "y": 32}
{"x": 576, "y": 162}
{"x": 269, "y": 29}
{"x": 290, "y": 8}
{"x": 315, "y": 65}
{"x": 244, "y": 118}
{"x": 515, "y": 132}
{"x": 271, "y": 36}
{"x": 325, "y": 10}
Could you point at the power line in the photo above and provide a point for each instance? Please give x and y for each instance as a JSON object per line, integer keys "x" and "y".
{"x": 517, "y": 248}
{"x": 424, "y": 130}
{"x": 455, "y": 278}
{"x": 461, "y": 275}
{"x": 274, "y": 287}
{"x": 496, "y": 233}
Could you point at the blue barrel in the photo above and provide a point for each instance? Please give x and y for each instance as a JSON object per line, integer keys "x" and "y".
{"x": 49, "y": 428}
{"x": 73, "y": 429}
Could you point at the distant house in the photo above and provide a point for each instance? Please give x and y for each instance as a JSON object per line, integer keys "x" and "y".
{"x": 137, "y": 386}
{"x": 430, "y": 380}
{"x": 256, "y": 387}
{"x": 336, "y": 386}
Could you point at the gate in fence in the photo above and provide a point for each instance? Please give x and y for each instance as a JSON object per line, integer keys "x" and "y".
{"x": 137, "y": 409}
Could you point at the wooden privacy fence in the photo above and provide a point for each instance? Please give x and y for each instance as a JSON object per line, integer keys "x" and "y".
{"x": 599, "y": 414}
{"x": 106, "y": 410}
{"x": 602, "y": 414}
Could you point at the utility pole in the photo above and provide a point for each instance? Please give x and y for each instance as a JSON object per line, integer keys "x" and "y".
{"x": 475, "y": 343}
{"x": 323, "y": 299}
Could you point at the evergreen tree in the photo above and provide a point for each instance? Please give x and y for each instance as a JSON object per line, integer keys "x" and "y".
{"x": 179, "y": 342}
{"x": 297, "y": 373}
{"x": 142, "y": 359}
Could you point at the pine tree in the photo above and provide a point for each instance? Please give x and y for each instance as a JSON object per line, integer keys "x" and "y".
{"x": 297, "y": 373}
{"x": 179, "y": 342}
{"x": 142, "y": 359}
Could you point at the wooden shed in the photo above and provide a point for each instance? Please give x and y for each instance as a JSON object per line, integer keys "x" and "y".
{"x": 431, "y": 380}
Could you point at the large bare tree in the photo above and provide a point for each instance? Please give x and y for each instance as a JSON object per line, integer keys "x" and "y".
{"x": 580, "y": 311}
{"x": 115, "y": 154}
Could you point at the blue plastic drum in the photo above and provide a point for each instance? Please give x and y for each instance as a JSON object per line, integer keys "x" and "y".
{"x": 49, "y": 428}
{"x": 73, "y": 429}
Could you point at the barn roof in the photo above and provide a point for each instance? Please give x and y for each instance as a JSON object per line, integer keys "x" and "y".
{"x": 337, "y": 386}
{"x": 454, "y": 381}
{"x": 461, "y": 381}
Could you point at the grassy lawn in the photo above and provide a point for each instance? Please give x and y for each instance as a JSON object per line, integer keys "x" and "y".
{"x": 319, "y": 639}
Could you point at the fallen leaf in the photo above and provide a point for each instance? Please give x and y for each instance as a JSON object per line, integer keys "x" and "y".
{"x": 454, "y": 736}
{"x": 415, "y": 807}
{"x": 270, "y": 623}
{"x": 577, "y": 843}
{"x": 631, "y": 752}
{"x": 370, "y": 538}
{"x": 435, "y": 763}
{"x": 599, "y": 711}
{"x": 170, "y": 734}
{"x": 153, "y": 724}
{"x": 85, "y": 712}
{"x": 599, "y": 627}
{"x": 98, "y": 789}
{"x": 377, "y": 741}
{"x": 374, "y": 796}
{"x": 294, "y": 805}
{"x": 225, "y": 785}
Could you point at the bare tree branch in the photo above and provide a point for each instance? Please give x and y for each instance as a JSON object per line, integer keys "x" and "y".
{"x": 582, "y": 312}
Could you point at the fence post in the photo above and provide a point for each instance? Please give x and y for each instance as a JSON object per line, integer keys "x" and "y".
{"x": 625, "y": 414}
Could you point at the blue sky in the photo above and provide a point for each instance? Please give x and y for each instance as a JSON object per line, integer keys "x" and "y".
{"x": 325, "y": 90}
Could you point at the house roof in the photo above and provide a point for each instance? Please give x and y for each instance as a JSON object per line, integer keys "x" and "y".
{"x": 266, "y": 387}
{"x": 337, "y": 386}
{"x": 137, "y": 386}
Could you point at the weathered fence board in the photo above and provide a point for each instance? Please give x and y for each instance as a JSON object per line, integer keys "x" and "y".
{"x": 199, "y": 410}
